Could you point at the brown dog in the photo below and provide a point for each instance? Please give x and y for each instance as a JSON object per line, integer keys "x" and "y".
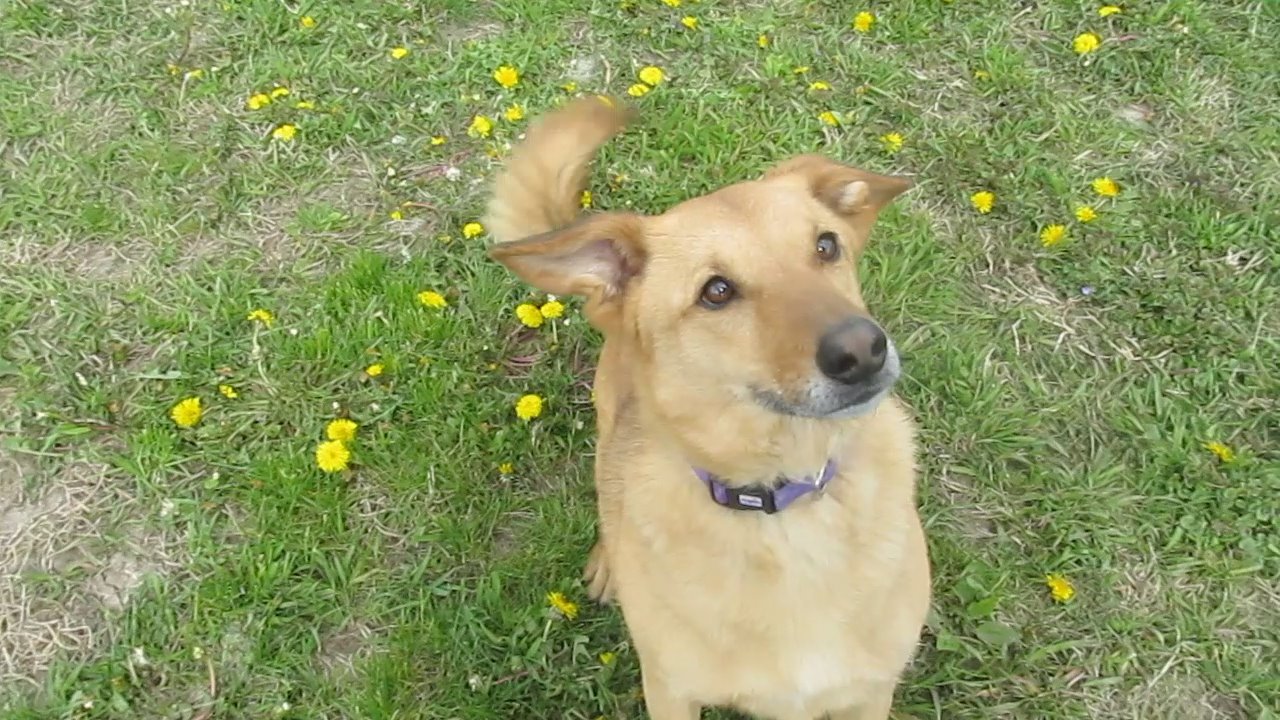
{"x": 756, "y": 481}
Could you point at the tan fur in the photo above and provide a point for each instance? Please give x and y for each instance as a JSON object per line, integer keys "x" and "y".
{"x": 807, "y": 613}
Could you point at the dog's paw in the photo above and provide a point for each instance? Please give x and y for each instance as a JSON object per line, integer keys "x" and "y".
{"x": 599, "y": 581}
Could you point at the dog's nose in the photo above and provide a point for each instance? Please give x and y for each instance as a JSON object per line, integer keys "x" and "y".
{"x": 852, "y": 351}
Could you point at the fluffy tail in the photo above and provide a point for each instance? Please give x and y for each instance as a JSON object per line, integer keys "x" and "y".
{"x": 540, "y": 189}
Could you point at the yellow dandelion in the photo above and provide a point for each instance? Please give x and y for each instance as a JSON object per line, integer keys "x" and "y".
{"x": 472, "y": 230}
{"x": 506, "y": 468}
{"x": 262, "y": 316}
{"x": 515, "y": 113}
{"x": 983, "y": 201}
{"x": 396, "y": 215}
{"x": 892, "y": 142}
{"x": 1221, "y": 450}
{"x": 438, "y": 140}
{"x": 552, "y": 309}
{"x": 1052, "y": 235}
{"x": 829, "y": 118}
{"x": 1060, "y": 587}
{"x": 399, "y": 53}
{"x": 1106, "y": 187}
{"x": 819, "y": 86}
{"x": 279, "y": 91}
{"x": 528, "y": 407}
{"x": 173, "y": 69}
{"x": 432, "y": 299}
{"x": 342, "y": 429}
{"x": 305, "y": 105}
{"x": 652, "y": 75}
{"x": 586, "y": 200}
{"x": 507, "y": 76}
{"x": 285, "y": 132}
{"x": 608, "y": 658}
{"x": 690, "y": 22}
{"x": 563, "y": 605}
{"x": 801, "y": 69}
{"x": 228, "y": 392}
{"x": 194, "y": 74}
{"x": 307, "y": 21}
{"x": 187, "y": 412}
{"x": 481, "y": 126}
{"x": 257, "y": 101}
{"x": 1086, "y": 43}
{"x": 570, "y": 86}
{"x": 374, "y": 370}
{"x": 981, "y": 75}
{"x": 332, "y": 456}
{"x": 863, "y": 21}
{"x": 1085, "y": 214}
{"x": 529, "y": 314}
{"x": 672, "y": 3}
{"x": 638, "y": 90}
{"x": 762, "y": 40}
{"x": 1108, "y": 10}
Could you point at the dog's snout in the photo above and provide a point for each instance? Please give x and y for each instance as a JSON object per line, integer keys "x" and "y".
{"x": 852, "y": 351}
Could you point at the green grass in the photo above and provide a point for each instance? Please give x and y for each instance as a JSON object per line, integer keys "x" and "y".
{"x": 143, "y": 214}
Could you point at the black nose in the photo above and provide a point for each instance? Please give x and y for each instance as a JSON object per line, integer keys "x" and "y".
{"x": 852, "y": 351}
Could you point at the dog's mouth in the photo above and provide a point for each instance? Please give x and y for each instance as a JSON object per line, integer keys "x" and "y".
{"x": 828, "y": 400}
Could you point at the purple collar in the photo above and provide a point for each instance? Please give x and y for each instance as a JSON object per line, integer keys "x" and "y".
{"x": 765, "y": 499}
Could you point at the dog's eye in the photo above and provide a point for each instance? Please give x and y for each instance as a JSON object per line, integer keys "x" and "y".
{"x": 828, "y": 246}
{"x": 716, "y": 293}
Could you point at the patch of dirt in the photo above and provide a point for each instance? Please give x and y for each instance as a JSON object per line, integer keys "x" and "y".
{"x": 340, "y": 651}
{"x": 70, "y": 558}
{"x": 1173, "y": 693}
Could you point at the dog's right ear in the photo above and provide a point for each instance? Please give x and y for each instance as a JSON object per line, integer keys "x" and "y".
{"x": 594, "y": 257}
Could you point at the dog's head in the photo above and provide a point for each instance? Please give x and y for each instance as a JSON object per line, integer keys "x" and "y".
{"x": 739, "y": 307}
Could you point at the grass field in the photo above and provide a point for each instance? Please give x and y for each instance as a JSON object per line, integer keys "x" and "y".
{"x": 1069, "y": 395}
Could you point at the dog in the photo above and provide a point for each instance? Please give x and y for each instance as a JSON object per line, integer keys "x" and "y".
{"x": 755, "y": 476}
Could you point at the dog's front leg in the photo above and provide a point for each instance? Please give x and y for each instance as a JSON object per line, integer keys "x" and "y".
{"x": 662, "y": 703}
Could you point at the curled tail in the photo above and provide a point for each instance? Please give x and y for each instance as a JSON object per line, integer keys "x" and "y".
{"x": 540, "y": 188}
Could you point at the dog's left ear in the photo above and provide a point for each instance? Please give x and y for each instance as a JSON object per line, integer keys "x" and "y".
{"x": 847, "y": 190}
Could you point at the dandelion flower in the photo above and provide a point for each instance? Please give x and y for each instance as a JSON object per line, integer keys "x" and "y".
{"x": 432, "y": 299}
{"x": 332, "y": 456}
{"x": 396, "y": 215}
{"x": 1052, "y": 235}
{"x": 829, "y": 118}
{"x": 652, "y": 75}
{"x": 481, "y": 126}
{"x": 528, "y": 407}
{"x": 228, "y": 392}
{"x": 1085, "y": 214}
{"x": 552, "y": 309}
{"x": 863, "y": 21}
{"x": 257, "y": 101}
{"x": 608, "y": 658}
{"x": 819, "y": 86}
{"x": 586, "y": 199}
{"x": 437, "y": 140}
{"x": 472, "y": 230}
{"x": 195, "y": 74}
{"x": 801, "y": 69}
{"x": 1086, "y": 43}
{"x": 690, "y": 22}
{"x": 570, "y": 86}
{"x": 342, "y": 430}
{"x": 762, "y": 40}
{"x": 892, "y": 142}
{"x": 638, "y": 90}
{"x": 187, "y": 412}
{"x": 563, "y": 605}
{"x": 1106, "y": 187}
{"x": 983, "y": 201}
{"x": 506, "y": 76}
{"x": 981, "y": 75}
{"x": 1108, "y": 10}
{"x": 399, "y": 53}
{"x": 529, "y": 314}
{"x": 1221, "y": 450}
{"x": 285, "y": 132}
{"x": 672, "y": 3}
{"x": 305, "y": 105}
{"x": 262, "y": 316}
{"x": 307, "y": 21}
{"x": 374, "y": 370}
{"x": 506, "y": 468}
{"x": 515, "y": 113}
{"x": 1060, "y": 587}
{"x": 279, "y": 91}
